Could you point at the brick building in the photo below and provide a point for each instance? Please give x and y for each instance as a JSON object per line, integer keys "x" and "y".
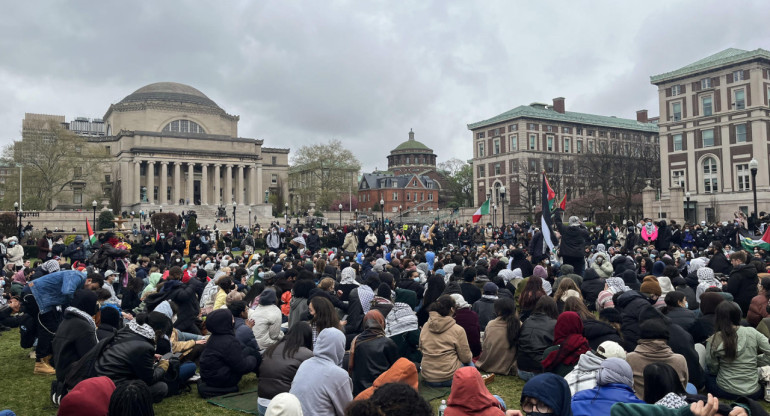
{"x": 409, "y": 192}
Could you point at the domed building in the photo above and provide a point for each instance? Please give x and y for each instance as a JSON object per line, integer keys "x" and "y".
{"x": 173, "y": 145}
{"x": 411, "y": 156}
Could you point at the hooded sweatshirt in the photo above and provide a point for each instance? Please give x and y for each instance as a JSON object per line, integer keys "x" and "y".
{"x": 444, "y": 347}
{"x": 583, "y": 376}
{"x": 322, "y": 386}
{"x": 402, "y": 371}
{"x": 469, "y": 396}
{"x": 552, "y": 390}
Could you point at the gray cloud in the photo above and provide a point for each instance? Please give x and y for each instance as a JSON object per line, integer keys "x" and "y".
{"x": 361, "y": 72}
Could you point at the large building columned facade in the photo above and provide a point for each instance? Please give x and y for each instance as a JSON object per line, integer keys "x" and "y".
{"x": 714, "y": 120}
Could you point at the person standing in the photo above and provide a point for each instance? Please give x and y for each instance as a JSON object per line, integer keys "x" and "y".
{"x": 45, "y": 246}
{"x": 573, "y": 241}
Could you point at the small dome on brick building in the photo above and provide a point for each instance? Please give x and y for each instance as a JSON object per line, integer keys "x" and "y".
{"x": 411, "y": 156}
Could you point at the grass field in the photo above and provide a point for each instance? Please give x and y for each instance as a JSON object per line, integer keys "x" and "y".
{"x": 27, "y": 394}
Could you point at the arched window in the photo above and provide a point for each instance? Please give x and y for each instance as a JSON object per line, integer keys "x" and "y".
{"x": 710, "y": 175}
{"x": 183, "y": 126}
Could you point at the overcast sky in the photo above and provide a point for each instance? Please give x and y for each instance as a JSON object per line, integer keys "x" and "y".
{"x": 363, "y": 72}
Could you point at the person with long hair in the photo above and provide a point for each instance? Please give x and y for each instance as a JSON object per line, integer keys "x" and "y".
{"x": 535, "y": 337}
{"x": 532, "y": 292}
{"x": 131, "y": 398}
{"x": 678, "y": 311}
{"x": 371, "y": 352}
{"x": 595, "y": 330}
{"x": 501, "y": 337}
{"x": 567, "y": 288}
{"x": 281, "y": 361}
{"x": 662, "y": 385}
{"x": 444, "y": 344}
{"x": 322, "y": 316}
{"x": 434, "y": 288}
{"x": 731, "y": 356}
{"x": 758, "y": 306}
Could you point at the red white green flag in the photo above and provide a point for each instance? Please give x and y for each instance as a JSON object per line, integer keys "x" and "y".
{"x": 750, "y": 244}
{"x": 90, "y": 231}
{"x": 563, "y": 203}
{"x": 483, "y": 210}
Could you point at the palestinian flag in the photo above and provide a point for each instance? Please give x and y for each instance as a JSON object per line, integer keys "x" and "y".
{"x": 549, "y": 197}
{"x": 90, "y": 231}
{"x": 750, "y": 244}
{"x": 483, "y": 210}
{"x": 563, "y": 203}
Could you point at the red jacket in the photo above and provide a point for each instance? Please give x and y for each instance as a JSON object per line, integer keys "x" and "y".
{"x": 470, "y": 396}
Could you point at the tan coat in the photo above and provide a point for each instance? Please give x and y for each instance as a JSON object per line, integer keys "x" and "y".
{"x": 351, "y": 242}
{"x": 496, "y": 357}
{"x": 650, "y": 351}
{"x": 444, "y": 347}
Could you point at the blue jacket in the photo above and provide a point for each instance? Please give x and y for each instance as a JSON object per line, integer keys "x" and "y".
{"x": 429, "y": 258}
{"x": 56, "y": 288}
{"x": 244, "y": 334}
{"x": 598, "y": 400}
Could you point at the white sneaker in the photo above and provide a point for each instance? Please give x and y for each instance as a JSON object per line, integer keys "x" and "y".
{"x": 194, "y": 378}
{"x": 32, "y": 354}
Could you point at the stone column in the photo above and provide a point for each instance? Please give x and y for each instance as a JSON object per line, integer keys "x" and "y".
{"x": 227, "y": 198}
{"x": 253, "y": 193}
{"x": 150, "y": 182}
{"x": 239, "y": 186}
{"x": 177, "y": 182}
{"x": 162, "y": 200}
{"x": 190, "y": 181}
{"x": 259, "y": 184}
{"x": 138, "y": 181}
{"x": 217, "y": 185}
{"x": 204, "y": 184}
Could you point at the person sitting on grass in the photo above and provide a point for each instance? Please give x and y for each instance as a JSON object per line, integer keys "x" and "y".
{"x": 443, "y": 343}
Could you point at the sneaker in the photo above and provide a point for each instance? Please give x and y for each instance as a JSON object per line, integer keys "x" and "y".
{"x": 42, "y": 367}
{"x": 194, "y": 378}
{"x": 32, "y": 354}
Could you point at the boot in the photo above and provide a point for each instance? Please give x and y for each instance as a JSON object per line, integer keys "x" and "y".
{"x": 44, "y": 367}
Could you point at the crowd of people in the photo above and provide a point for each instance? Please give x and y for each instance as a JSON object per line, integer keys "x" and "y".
{"x": 630, "y": 319}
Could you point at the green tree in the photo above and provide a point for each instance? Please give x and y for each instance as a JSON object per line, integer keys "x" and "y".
{"x": 9, "y": 224}
{"x": 105, "y": 220}
{"x": 459, "y": 176}
{"x": 323, "y": 173}
{"x": 164, "y": 222}
{"x": 192, "y": 226}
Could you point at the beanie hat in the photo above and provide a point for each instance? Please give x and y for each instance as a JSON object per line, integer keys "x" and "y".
{"x": 665, "y": 285}
{"x": 85, "y": 300}
{"x": 284, "y": 404}
{"x": 90, "y": 397}
{"x": 574, "y": 221}
{"x": 460, "y": 301}
{"x": 615, "y": 370}
{"x": 653, "y": 329}
{"x": 111, "y": 315}
{"x": 490, "y": 288}
{"x": 616, "y": 285}
{"x": 651, "y": 288}
{"x": 610, "y": 349}
{"x": 540, "y": 272}
{"x": 267, "y": 297}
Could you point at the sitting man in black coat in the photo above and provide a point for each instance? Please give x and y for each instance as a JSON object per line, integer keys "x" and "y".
{"x": 76, "y": 334}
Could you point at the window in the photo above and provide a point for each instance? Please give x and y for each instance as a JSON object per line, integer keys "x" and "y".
{"x": 532, "y": 126}
{"x": 480, "y": 135}
{"x": 422, "y": 196}
{"x": 514, "y": 166}
{"x": 677, "y": 178}
{"x": 497, "y": 169}
{"x": 707, "y": 138}
{"x": 707, "y": 105}
{"x": 274, "y": 178}
{"x": 533, "y": 165}
{"x": 273, "y": 160}
{"x": 77, "y": 196}
{"x": 590, "y": 133}
{"x": 481, "y": 174}
{"x": 603, "y": 147}
{"x": 579, "y": 130}
{"x": 395, "y": 196}
{"x": 676, "y": 90}
{"x": 579, "y": 146}
{"x": 415, "y": 197}
{"x": 514, "y": 142}
{"x": 549, "y": 167}
{"x": 742, "y": 173}
{"x": 183, "y": 126}
{"x": 481, "y": 151}
{"x": 409, "y": 159}
{"x": 408, "y": 196}
{"x": 614, "y": 135}
{"x": 107, "y": 178}
{"x": 567, "y": 145}
{"x": 78, "y": 171}
{"x": 740, "y": 99}
{"x": 705, "y": 83}
{"x": 550, "y": 129}
{"x": 430, "y": 196}
{"x": 566, "y": 130}
{"x": 590, "y": 146}
{"x": 737, "y": 76}
{"x": 532, "y": 141}
{"x": 513, "y": 127}
{"x": 710, "y": 170}
{"x": 740, "y": 133}
{"x": 676, "y": 111}
{"x": 677, "y": 142}
{"x": 602, "y": 133}
{"x": 549, "y": 143}
{"x": 496, "y": 146}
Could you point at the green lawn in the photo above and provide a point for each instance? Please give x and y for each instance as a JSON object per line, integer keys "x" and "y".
{"x": 27, "y": 394}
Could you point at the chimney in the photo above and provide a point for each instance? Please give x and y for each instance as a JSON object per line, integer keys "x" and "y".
{"x": 558, "y": 104}
{"x": 411, "y": 134}
{"x": 641, "y": 116}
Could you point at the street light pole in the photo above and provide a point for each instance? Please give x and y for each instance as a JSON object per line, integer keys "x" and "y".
{"x": 687, "y": 208}
{"x": 93, "y": 204}
{"x": 16, "y": 208}
{"x": 249, "y": 219}
{"x": 400, "y": 220}
{"x": 609, "y": 208}
{"x": 286, "y": 213}
{"x": 340, "y": 208}
{"x": 235, "y": 205}
{"x": 754, "y": 166}
{"x": 502, "y": 197}
{"x": 382, "y": 218}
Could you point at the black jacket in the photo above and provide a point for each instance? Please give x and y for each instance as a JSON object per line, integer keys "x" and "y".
{"x": 370, "y": 360}
{"x": 681, "y": 342}
{"x": 225, "y": 360}
{"x": 682, "y": 317}
{"x": 470, "y": 292}
{"x": 631, "y": 304}
{"x": 720, "y": 264}
{"x": 743, "y": 285}
{"x": 535, "y": 337}
{"x": 130, "y": 357}
{"x": 187, "y": 303}
{"x": 313, "y": 242}
{"x": 597, "y": 332}
{"x": 485, "y": 309}
{"x": 332, "y": 298}
{"x": 413, "y": 286}
{"x": 73, "y": 339}
{"x": 592, "y": 285}
{"x": 130, "y": 300}
{"x": 105, "y": 330}
{"x": 277, "y": 372}
{"x": 573, "y": 239}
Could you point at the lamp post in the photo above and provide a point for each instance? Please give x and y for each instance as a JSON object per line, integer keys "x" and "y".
{"x": 754, "y": 166}
{"x": 93, "y": 205}
{"x": 235, "y": 205}
{"x": 400, "y": 220}
{"x": 160, "y": 207}
{"x": 687, "y": 208}
{"x": 249, "y": 219}
{"x": 267, "y": 194}
{"x": 609, "y": 208}
{"x": 382, "y": 215}
{"x": 494, "y": 215}
{"x": 340, "y": 208}
{"x": 18, "y": 215}
{"x": 286, "y": 213}
{"x": 502, "y": 199}
{"x": 355, "y": 220}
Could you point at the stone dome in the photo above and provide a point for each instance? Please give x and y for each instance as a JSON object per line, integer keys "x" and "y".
{"x": 169, "y": 92}
{"x": 412, "y": 145}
